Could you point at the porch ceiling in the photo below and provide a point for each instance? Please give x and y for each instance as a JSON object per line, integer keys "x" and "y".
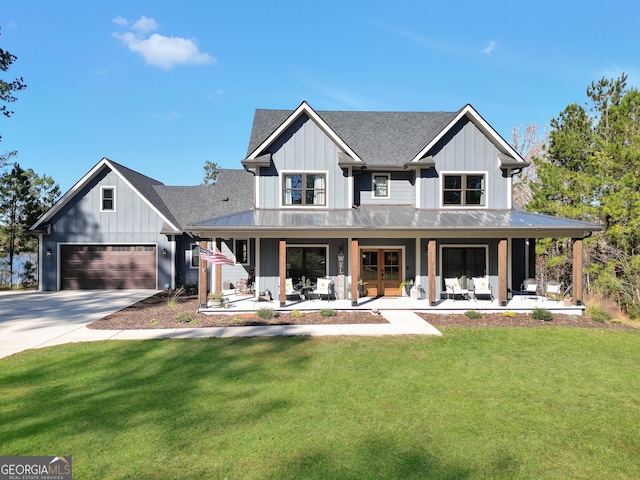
{"x": 394, "y": 221}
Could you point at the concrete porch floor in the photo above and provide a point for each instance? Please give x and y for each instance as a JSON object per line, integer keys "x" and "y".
{"x": 519, "y": 303}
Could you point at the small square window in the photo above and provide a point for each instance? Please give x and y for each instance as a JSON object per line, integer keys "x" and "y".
{"x": 108, "y": 195}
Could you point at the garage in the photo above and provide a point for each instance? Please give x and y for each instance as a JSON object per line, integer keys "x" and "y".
{"x": 85, "y": 267}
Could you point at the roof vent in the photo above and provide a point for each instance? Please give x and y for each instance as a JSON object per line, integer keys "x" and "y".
{"x": 225, "y": 199}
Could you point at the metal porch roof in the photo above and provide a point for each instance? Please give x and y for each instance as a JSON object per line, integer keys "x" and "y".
{"x": 398, "y": 218}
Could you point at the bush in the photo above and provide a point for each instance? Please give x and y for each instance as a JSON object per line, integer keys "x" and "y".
{"x": 266, "y": 313}
{"x": 542, "y": 314}
{"x": 473, "y": 314}
{"x": 185, "y": 317}
{"x": 509, "y": 314}
{"x": 327, "y": 312}
{"x": 172, "y": 301}
{"x": 598, "y": 314}
{"x": 297, "y": 314}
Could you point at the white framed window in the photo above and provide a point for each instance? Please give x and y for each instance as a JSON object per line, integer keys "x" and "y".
{"x": 381, "y": 183}
{"x": 464, "y": 189}
{"x": 241, "y": 250}
{"x": 195, "y": 257}
{"x": 107, "y": 199}
{"x": 304, "y": 189}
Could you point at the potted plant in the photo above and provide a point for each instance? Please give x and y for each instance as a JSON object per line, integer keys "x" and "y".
{"x": 406, "y": 287}
{"x": 215, "y": 300}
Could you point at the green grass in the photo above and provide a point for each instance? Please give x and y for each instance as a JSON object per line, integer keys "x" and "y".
{"x": 490, "y": 403}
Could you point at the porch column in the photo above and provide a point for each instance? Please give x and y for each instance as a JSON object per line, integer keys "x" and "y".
{"x": 354, "y": 272}
{"x": 577, "y": 271}
{"x": 202, "y": 278}
{"x": 502, "y": 272}
{"x": 431, "y": 270}
{"x": 218, "y": 269}
{"x": 282, "y": 271}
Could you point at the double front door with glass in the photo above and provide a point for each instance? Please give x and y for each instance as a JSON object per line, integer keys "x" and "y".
{"x": 381, "y": 270}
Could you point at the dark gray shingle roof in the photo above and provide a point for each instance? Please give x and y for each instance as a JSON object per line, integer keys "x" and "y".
{"x": 232, "y": 192}
{"x": 378, "y": 138}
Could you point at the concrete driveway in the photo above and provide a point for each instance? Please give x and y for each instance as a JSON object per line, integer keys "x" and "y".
{"x": 41, "y": 319}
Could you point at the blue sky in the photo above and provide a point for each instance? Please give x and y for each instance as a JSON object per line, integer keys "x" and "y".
{"x": 162, "y": 86}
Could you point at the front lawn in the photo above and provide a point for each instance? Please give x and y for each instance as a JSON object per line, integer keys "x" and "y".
{"x": 477, "y": 403}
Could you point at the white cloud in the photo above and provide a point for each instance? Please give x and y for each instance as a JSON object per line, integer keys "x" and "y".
{"x": 159, "y": 50}
{"x": 145, "y": 25}
{"x": 490, "y": 48}
{"x": 123, "y": 22}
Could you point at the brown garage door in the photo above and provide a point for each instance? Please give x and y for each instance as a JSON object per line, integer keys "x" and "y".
{"x": 108, "y": 266}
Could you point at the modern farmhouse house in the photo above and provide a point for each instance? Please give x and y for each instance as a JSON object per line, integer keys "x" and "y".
{"x": 375, "y": 198}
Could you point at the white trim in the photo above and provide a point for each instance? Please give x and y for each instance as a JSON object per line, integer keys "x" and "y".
{"x": 465, "y": 173}
{"x": 256, "y": 287}
{"x": 373, "y": 183}
{"x": 303, "y": 108}
{"x": 418, "y": 188}
{"x": 350, "y": 186}
{"x": 71, "y": 193}
{"x": 481, "y": 123}
{"x": 281, "y": 175}
{"x": 257, "y": 179}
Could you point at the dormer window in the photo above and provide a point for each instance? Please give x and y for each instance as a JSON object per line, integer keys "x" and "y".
{"x": 465, "y": 190}
{"x": 381, "y": 185}
{"x": 304, "y": 189}
{"x": 108, "y": 199}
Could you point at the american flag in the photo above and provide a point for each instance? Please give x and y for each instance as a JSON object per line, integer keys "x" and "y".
{"x": 216, "y": 258}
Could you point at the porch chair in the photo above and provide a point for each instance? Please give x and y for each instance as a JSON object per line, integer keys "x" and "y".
{"x": 554, "y": 288}
{"x": 530, "y": 287}
{"x": 453, "y": 288}
{"x": 241, "y": 287}
{"x": 289, "y": 291}
{"x": 481, "y": 286}
{"x": 324, "y": 286}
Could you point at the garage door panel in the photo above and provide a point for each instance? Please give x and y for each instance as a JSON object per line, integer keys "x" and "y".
{"x": 108, "y": 266}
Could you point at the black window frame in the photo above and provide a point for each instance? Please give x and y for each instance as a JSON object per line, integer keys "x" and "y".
{"x": 463, "y": 192}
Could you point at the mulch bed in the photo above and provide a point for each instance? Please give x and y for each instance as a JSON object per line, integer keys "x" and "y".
{"x": 154, "y": 312}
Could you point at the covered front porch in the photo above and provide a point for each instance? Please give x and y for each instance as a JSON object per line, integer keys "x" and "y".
{"x": 524, "y": 303}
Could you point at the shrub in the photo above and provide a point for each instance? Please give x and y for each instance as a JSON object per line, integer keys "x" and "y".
{"x": 172, "y": 301}
{"x": 598, "y": 314}
{"x": 327, "y": 312}
{"x": 473, "y": 314}
{"x": 237, "y": 320}
{"x": 542, "y": 314}
{"x": 508, "y": 313}
{"x": 297, "y": 314}
{"x": 266, "y": 313}
{"x": 154, "y": 322}
{"x": 184, "y": 317}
